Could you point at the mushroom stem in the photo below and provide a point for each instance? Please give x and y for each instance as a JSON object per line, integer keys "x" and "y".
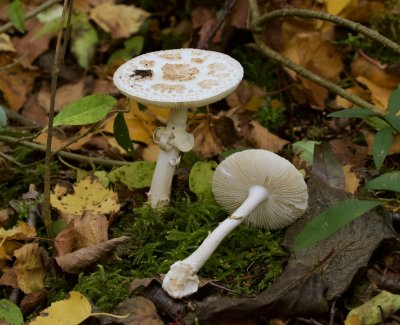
{"x": 181, "y": 280}
{"x": 173, "y": 140}
{"x": 256, "y": 195}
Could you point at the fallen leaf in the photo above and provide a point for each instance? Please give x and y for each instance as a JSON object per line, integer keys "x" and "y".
{"x": 16, "y": 82}
{"x": 379, "y": 94}
{"x": 91, "y": 229}
{"x": 205, "y": 141}
{"x": 58, "y": 143}
{"x": 32, "y": 300}
{"x": 350, "y": 153}
{"x": 375, "y": 310}
{"x": 29, "y": 268}
{"x": 240, "y": 14}
{"x": 335, "y": 7}
{"x": 73, "y": 310}
{"x": 64, "y": 95}
{"x": 151, "y": 152}
{"x": 5, "y": 43}
{"x": 139, "y": 174}
{"x": 21, "y": 231}
{"x": 78, "y": 260}
{"x": 89, "y": 195}
{"x": 9, "y": 277}
{"x": 351, "y": 179}
{"x": 119, "y": 20}
{"x": 203, "y": 21}
{"x": 65, "y": 240}
{"x": 200, "y": 179}
{"x": 314, "y": 52}
{"x": 264, "y": 139}
{"x": 141, "y": 311}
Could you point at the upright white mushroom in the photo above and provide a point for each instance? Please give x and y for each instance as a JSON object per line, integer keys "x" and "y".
{"x": 176, "y": 79}
{"x": 255, "y": 186}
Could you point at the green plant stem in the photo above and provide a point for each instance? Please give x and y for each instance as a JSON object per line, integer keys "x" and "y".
{"x": 304, "y": 13}
{"x": 258, "y": 21}
{"x": 30, "y": 14}
{"x": 65, "y": 154}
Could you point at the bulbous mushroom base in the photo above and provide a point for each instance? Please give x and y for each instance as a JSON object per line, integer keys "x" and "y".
{"x": 181, "y": 280}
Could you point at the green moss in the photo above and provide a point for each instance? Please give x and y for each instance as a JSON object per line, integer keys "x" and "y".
{"x": 273, "y": 118}
{"x": 106, "y": 287}
{"x": 246, "y": 261}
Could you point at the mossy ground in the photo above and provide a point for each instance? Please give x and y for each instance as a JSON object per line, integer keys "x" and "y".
{"x": 246, "y": 261}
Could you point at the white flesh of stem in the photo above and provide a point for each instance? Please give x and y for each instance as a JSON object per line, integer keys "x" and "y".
{"x": 160, "y": 189}
{"x": 257, "y": 194}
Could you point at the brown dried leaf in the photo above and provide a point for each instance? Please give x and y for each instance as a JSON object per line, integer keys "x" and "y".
{"x": 64, "y": 95}
{"x": 33, "y": 111}
{"x": 78, "y": 260}
{"x": 15, "y": 82}
{"x": 9, "y": 277}
{"x": 58, "y": 143}
{"x": 351, "y": 179}
{"x": 65, "y": 240}
{"x": 240, "y": 14}
{"x": 29, "y": 268}
{"x": 264, "y": 139}
{"x": 349, "y": 153}
{"x": 141, "y": 311}
{"x": 91, "y": 229}
{"x": 5, "y": 214}
{"x": 120, "y": 21}
{"x": 32, "y": 300}
{"x": 151, "y": 152}
{"x": 205, "y": 141}
{"x": 203, "y": 21}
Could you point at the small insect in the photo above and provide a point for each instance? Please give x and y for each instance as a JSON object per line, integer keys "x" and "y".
{"x": 142, "y": 74}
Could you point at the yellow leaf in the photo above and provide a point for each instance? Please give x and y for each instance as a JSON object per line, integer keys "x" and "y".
{"x": 19, "y": 232}
{"x": 334, "y": 7}
{"x": 89, "y": 195}
{"x": 351, "y": 179}
{"x": 6, "y": 44}
{"x": 29, "y": 268}
{"x": 370, "y": 138}
{"x": 120, "y": 21}
{"x": 71, "y": 311}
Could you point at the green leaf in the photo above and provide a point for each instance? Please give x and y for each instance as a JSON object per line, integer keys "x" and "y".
{"x": 121, "y": 133}
{"x": 353, "y": 113}
{"x": 305, "y": 149}
{"x": 331, "y": 220}
{"x": 17, "y": 15}
{"x": 136, "y": 175}
{"x": 86, "y": 110}
{"x": 200, "y": 179}
{"x": 394, "y": 101}
{"x": 394, "y": 121}
{"x": 10, "y": 313}
{"x": 84, "y": 42}
{"x": 388, "y": 181}
{"x": 3, "y": 118}
{"x": 380, "y": 148}
{"x": 377, "y": 122}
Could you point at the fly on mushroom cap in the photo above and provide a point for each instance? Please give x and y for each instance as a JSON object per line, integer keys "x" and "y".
{"x": 179, "y": 78}
{"x": 287, "y": 191}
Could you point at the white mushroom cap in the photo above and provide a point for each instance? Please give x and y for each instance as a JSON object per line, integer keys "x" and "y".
{"x": 179, "y": 78}
{"x": 287, "y": 192}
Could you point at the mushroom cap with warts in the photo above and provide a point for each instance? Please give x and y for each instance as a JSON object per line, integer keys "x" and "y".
{"x": 287, "y": 191}
{"x": 179, "y": 78}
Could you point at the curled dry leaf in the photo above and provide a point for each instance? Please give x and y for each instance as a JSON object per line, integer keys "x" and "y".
{"x": 8, "y": 278}
{"x": 80, "y": 259}
{"x": 5, "y": 43}
{"x": 64, "y": 241}
{"x": 120, "y": 21}
{"x": 29, "y": 268}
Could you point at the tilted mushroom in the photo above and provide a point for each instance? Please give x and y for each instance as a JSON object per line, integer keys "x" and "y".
{"x": 255, "y": 186}
{"x": 176, "y": 79}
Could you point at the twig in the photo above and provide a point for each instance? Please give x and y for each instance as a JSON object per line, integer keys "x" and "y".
{"x": 30, "y": 14}
{"x": 11, "y": 159}
{"x": 62, "y": 40}
{"x": 65, "y": 154}
{"x": 12, "y": 115}
{"x": 267, "y": 51}
{"x": 304, "y": 13}
{"x": 229, "y": 4}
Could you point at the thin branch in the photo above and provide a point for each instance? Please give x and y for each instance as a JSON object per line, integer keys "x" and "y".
{"x": 30, "y": 14}
{"x": 304, "y": 13}
{"x": 267, "y": 51}
{"x": 65, "y": 154}
{"x": 62, "y": 39}
{"x": 314, "y": 77}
